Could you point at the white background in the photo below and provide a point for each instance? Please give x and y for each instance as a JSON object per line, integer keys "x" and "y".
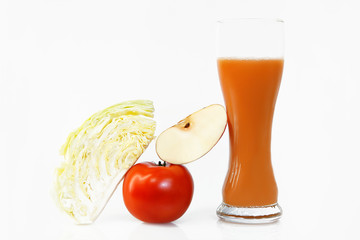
{"x": 63, "y": 60}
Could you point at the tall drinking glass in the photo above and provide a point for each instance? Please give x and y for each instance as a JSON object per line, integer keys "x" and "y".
{"x": 250, "y": 63}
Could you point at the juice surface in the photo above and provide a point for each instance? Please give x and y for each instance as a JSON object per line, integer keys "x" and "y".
{"x": 250, "y": 88}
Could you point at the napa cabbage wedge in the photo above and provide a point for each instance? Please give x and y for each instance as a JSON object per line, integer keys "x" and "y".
{"x": 98, "y": 154}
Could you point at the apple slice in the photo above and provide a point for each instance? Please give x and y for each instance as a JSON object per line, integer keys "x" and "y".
{"x": 192, "y": 137}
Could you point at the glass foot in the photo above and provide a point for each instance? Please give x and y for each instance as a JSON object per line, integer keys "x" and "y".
{"x": 262, "y": 214}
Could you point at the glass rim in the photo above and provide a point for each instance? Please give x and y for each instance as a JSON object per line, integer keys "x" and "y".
{"x": 236, "y": 20}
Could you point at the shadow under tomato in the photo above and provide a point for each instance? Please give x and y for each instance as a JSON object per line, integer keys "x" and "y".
{"x": 163, "y": 231}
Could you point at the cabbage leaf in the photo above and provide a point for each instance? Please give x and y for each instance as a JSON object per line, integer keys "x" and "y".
{"x": 97, "y": 156}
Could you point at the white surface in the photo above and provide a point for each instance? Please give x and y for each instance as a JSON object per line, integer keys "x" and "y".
{"x": 61, "y": 61}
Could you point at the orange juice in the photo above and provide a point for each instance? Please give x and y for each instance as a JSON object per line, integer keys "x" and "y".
{"x": 250, "y": 88}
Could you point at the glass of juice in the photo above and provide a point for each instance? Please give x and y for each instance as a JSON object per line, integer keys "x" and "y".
{"x": 250, "y": 64}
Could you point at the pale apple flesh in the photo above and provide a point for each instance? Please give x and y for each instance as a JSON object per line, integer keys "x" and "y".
{"x": 192, "y": 137}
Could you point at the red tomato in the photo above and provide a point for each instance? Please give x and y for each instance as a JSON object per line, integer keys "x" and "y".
{"x": 157, "y": 193}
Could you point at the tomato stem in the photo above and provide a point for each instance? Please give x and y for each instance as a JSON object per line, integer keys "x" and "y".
{"x": 163, "y": 164}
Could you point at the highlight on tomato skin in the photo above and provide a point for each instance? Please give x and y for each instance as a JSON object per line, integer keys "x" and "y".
{"x": 157, "y": 193}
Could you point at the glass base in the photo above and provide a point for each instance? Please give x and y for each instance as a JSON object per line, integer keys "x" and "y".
{"x": 262, "y": 214}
